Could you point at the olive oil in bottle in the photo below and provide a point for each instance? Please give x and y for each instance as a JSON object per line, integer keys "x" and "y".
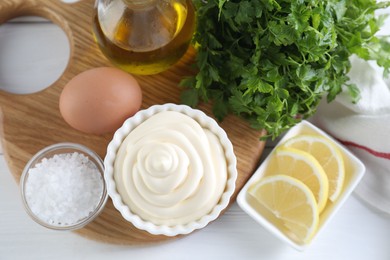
{"x": 144, "y": 36}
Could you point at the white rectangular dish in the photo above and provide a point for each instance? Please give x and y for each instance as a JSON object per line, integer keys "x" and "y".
{"x": 354, "y": 171}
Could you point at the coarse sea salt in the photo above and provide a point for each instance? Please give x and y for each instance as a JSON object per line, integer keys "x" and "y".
{"x": 64, "y": 189}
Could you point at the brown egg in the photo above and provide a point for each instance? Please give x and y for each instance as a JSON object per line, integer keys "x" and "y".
{"x": 99, "y": 100}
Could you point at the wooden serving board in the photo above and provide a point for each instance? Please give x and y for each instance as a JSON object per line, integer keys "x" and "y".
{"x": 31, "y": 122}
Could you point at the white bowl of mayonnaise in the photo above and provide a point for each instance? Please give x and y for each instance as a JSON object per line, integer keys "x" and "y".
{"x": 170, "y": 169}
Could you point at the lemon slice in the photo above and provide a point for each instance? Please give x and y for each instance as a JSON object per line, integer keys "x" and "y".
{"x": 304, "y": 167}
{"x": 291, "y": 201}
{"x": 327, "y": 154}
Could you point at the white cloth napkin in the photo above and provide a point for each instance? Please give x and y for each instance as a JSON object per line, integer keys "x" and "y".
{"x": 364, "y": 128}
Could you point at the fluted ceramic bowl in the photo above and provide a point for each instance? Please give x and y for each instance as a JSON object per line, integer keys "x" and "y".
{"x": 115, "y": 181}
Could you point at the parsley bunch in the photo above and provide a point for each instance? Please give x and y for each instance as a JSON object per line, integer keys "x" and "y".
{"x": 271, "y": 61}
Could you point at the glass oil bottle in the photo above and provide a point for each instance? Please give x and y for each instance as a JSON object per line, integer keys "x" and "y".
{"x": 144, "y": 36}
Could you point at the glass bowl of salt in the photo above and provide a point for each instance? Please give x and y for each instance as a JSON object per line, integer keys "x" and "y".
{"x": 63, "y": 186}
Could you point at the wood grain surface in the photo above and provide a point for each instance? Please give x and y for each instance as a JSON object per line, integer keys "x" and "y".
{"x": 30, "y": 122}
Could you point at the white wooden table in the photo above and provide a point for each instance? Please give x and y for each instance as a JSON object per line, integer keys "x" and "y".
{"x": 32, "y": 55}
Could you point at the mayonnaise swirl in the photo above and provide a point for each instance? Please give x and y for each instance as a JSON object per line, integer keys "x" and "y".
{"x": 169, "y": 170}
